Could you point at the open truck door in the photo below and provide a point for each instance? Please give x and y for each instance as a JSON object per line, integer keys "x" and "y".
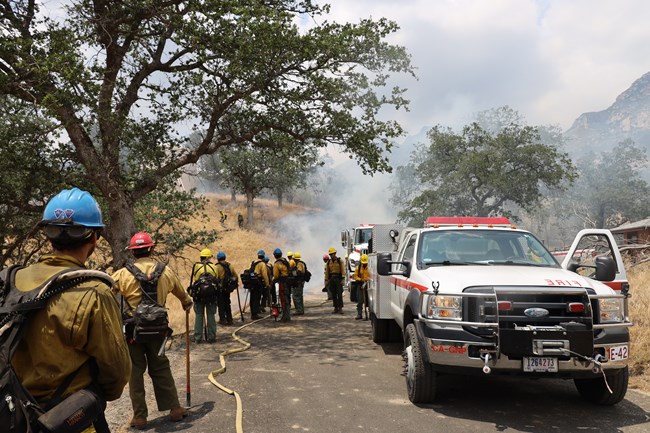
{"x": 589, "y": 253}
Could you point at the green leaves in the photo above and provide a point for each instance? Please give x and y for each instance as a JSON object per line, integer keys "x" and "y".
{"x": 477, "y": 172}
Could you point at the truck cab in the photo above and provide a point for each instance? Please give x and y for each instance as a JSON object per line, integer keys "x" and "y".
{"x": 479, "y": 295}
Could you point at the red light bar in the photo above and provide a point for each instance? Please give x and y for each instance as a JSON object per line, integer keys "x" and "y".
{"x": 440, "y": 220}
{"x": 504, "y": 305}
{"x": 575, "y": 307}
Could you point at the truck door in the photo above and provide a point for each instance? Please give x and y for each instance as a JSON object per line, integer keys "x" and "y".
{"x": 592, "y": 243}
{"x": 399, "y": 284}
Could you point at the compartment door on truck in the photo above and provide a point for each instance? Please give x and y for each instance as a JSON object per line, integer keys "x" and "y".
{"x": 399, "y": 284}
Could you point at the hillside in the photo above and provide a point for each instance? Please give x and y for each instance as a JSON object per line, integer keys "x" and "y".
{"x": 627, "y": 117}
{"x": 268, "y": 233}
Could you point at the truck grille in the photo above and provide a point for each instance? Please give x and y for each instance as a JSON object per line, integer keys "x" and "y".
{"x": 553, "y": 304}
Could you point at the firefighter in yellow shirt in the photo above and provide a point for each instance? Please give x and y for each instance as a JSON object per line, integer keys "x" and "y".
{"x": 79, "y": 325}
{"x": 280, "y": 276}
{"x": 361, "y": 276}
{"x": 145, "y": 355}
{"x": 334, "y": 269}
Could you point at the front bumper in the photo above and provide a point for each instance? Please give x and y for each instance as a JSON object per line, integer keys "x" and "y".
{"x": 579, "y": 349}
{"x": 450, "y": 350}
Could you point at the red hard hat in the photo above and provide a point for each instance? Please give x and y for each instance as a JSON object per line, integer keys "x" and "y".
{"x": 140, "y": 240}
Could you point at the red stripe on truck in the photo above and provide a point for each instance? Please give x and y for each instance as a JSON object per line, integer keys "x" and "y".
{"x": 408, "y": 285}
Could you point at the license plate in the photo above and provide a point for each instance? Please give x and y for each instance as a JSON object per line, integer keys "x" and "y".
{"x": 540, "y": 364}
{"x": 618, "y": 353}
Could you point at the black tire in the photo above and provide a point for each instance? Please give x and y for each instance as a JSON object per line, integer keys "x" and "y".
{"x": 595, "y": 390}
{"x": 379, "y": 329}
{"x": 421, "y": 380}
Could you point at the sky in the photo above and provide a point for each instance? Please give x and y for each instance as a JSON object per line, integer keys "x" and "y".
{"x": 551, "y": 60}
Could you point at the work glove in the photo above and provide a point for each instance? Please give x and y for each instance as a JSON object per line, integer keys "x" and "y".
{"x": 188, "y": 307}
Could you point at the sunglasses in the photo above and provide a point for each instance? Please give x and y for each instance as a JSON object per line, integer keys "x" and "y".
{"x": 62, "y": 228}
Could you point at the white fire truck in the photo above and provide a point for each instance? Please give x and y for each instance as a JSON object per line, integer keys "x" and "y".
{"x": 355, "y": 241}
{"x": 478, "y": 295}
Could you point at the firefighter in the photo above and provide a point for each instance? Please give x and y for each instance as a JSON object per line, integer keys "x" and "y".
{"x": 259, "y": 268}
{"x": 280, "y": 275}
{"x": 325, "y": 288}
{"x": 240, "y": 220}
{"x": 205, "y": 310}
{"x": 299, "y": 285}
{"x": 271, "y": 289}
{"x": 334, "y": 269}
{"x": 361, "y": 277}
{"x": 77, "y": 325}
{"x": 145, "y": 355}
{"x": 225, "y": 272}
{"x": 222, "y": 218}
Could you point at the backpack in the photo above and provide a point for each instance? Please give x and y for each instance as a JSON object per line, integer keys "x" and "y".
{"x": 150, "y": 319}
{"x": 249, "y": 279}
{"x": 204, "y": 289}
{"x": 19, "y": 410}
{"x": 303, "y": 276}
{"x": 230, "y": 282}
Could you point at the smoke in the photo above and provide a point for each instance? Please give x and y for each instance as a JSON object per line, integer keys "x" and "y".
{"x": 352, "y": 199}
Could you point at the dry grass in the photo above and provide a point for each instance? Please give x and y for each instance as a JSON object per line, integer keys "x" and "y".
{"x": 240, "y": 245}
{"x": 639, "y": 277}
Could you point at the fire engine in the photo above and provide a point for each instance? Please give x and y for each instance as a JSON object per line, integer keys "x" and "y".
{"x": 481, "y": 296}
{"x": 355, "y": 241}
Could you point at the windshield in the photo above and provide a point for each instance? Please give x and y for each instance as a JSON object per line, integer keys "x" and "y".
{"x": 492, "y": 247}
{"x": 362, "y": 236}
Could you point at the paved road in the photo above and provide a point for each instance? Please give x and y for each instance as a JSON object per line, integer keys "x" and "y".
{"x": 322, "y": 373}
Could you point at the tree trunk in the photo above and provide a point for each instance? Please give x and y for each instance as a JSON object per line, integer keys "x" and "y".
{"x": 249, "y": 208}
{"x": 233, "y": 196}
{"x": 121, "y": 228}
{"x": 280, "y": 197}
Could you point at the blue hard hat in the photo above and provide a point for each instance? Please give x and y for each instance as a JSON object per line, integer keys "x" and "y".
{"x": 266, "y": 258}
{"x": 277, "y": 252}
{"x": 73, "y": 206}
{"x": 261, "y": 253}
{"x": 221, "y": 255}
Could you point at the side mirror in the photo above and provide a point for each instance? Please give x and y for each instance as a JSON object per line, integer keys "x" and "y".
{"x": 383, "y": 263}
{"x": 605, "y": 269}
{"x": 393, "y": 235}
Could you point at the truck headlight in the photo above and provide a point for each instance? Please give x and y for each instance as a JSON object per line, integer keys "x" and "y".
{"x": 443, "y": 307}
{"x": 611, "y": 310}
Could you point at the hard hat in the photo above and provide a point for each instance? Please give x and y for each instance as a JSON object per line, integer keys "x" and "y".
{"x": 73, "y": 207}
{"x": 297, "y": 255}
{"x": 289, "y": 254}
{"x": 277, "y": 252}
{"x": 364, "y": 258}
{"x": 261, "y": 253}
{"x": 292, "y": 264}
{"x": 221, "y": 255}
{"x": 266, "y": 259}
{"x": 140, "y": 240}
{"x": 331, "y": 251}
{"x": 325, "y": 257}
{"x": 205, "y": 252}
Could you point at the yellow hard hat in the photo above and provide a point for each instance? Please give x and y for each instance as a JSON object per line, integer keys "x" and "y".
{"x": 331, "y": 251}
{"x": 297, "y": 255}
{"x": 289, "y": 254}
{"x": 364, "y": 258}
{"x": 206, "y": 253}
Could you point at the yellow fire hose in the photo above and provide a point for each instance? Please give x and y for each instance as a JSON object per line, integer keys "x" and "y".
{"x": 222, "y": 369}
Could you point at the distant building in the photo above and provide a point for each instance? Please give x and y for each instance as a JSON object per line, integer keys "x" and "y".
{"x": 637, "y": 232}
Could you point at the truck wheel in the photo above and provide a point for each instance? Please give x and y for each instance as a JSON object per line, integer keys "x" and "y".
{"x": 420, "y": 377}
{"x": 595, "y": 390}
{"x": 379, "y": 329}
